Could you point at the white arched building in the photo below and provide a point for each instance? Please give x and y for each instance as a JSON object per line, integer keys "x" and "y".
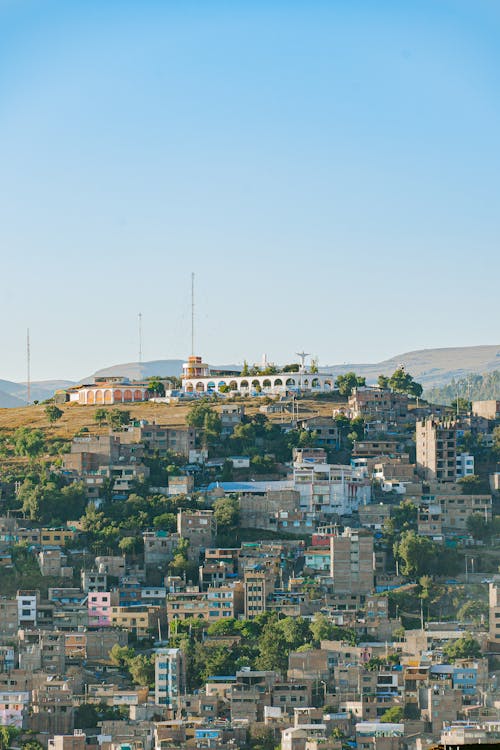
{"x": 254, "y": 384}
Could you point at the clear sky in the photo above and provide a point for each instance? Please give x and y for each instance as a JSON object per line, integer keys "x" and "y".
{"x": 330, "y": 171}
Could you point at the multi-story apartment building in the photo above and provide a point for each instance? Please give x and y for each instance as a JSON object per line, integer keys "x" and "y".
{"x": 27, "y": 602}
{"x": 494, "y": 602}
{"x": 437, "y": 449}
{"x": 99, "y": 609}
{"x": 170, "y": 677}
{"x": 382, "y": 404}
{"x": 9, "y": 618}
{"x": 199, "y": 527}
{"x": 93, "y": 580}
{"x": 160, "y": 439}
{"x": 212, "y": 605}
{"x": 159, "y": 547}
{"x": 328, "y": 488}
{"x": 352, "y": 562}
{"x": 259, "y": 584}
{"x": 457, "y": 508}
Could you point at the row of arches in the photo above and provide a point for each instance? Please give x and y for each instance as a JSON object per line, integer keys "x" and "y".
{"x": 258, "y": 384}
{"x": 110, "y": 396}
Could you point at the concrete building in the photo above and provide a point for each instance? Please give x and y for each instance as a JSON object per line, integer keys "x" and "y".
{"x": 27, "y": 603}
{"x": 99, "y": 609}
{"x": 494, "y": 605}
{"x": 180, "y": 485}
{"x": 108, "y": 391}
{"x": 465, "y": 465}
{"x": 213, "y": 604}
{"x": 436, "y": 443}
{"x": 489, "y": 409}
{"x": 259, "y": 584}
{"x": 430, "y": 521}
{"x": 53, "y": 562}
{"x": 199, "y": 527}
{"x": 328, "y": 488}
{"x": 9, "y": 618}
{"x": 230, "y": 416}
{"x": 197, "y": 378}
{"x": 159, "y": 438}
{"x": 371, "y": 402}
{"x": 75, "y": 741}
{"x": 170, "y": 677}
{"x": 352, "y": 562}
{"x": 159, "y": 547}
{"x": 92, "y": 580}
{"x": 456, "y": 509}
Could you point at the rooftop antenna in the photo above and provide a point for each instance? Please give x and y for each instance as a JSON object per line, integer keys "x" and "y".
{"x": 302, "y": 356}
{"x": 192, "y": 314}
{"x": 140, "y": 338}
{"x": 28, "y": 368}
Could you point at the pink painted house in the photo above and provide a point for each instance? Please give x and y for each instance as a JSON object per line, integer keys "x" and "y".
{"x": 99, "y": 609}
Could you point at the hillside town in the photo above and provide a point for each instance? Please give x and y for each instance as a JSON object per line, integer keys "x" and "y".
{"x": 298, "y": 561}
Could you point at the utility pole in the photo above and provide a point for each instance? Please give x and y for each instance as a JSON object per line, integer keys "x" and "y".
{"x": 28, "y": 367}
{"x": 192, "y": 314}
{"x": 140, "y": 338}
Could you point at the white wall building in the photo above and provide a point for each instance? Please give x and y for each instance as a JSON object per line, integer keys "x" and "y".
{"x": 330, "y": 488}
{"x": 465, "y": 465}
{"x": 169, "y": 676}
{"x": 26, "y": 607}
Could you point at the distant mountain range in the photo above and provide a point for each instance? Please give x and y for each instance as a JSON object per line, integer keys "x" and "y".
{"x": 15, "y": 394}
{"x": 431, "y": 367}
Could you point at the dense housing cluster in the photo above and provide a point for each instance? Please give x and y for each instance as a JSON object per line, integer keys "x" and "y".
{"x": 310, "y": 565}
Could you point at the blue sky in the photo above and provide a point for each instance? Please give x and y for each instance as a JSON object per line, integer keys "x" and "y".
{"x": 329, "y": 170}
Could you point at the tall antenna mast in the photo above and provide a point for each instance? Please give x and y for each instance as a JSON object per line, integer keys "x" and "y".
{"x": 140, "y": 338}
{"x": 28, "y": 367}
{"x": 192, "y": 314}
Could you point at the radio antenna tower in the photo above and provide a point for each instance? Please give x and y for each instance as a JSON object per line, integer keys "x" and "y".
{"x": 192, "y": 314}
{"x": 140, "y": 338}
{"x": 28, "y": 367}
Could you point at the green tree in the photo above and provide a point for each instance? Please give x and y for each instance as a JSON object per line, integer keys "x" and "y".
{"x": 156, "y": 387}
{"x": 479, "y": 527}
{"x": 474, "y": 610}
{"x": 203, "y": 417}
{"x": 7, "y": 734}
{"x": 383, "y": 381}
{"x": 417, "y": 554}
{"x": 245, "y": 370}
{"x": 402, "y": 382}
{"x": 474, "y": 485}
{"x": 273, "y": 649}
{"x": 120, "y": 656}
{"x": 321, "y": 628}
{"x": 346, "y": 383}
{"x": 86, "y": 716}
{"x": 100, "y": 416}
{"x": 28, "y": 442}
{"x": 226, "y": 512}
{"x": 130, "y": 545}
{"x": 393, "y": 715}
{"x": 465, "y": 647}
{"x": 117, "y": 418}
{"x": 53, "y": 413}
{"x": 142, "y": 669}
{"x": 461, "y": 405}
{"x": 405, "y": 515}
